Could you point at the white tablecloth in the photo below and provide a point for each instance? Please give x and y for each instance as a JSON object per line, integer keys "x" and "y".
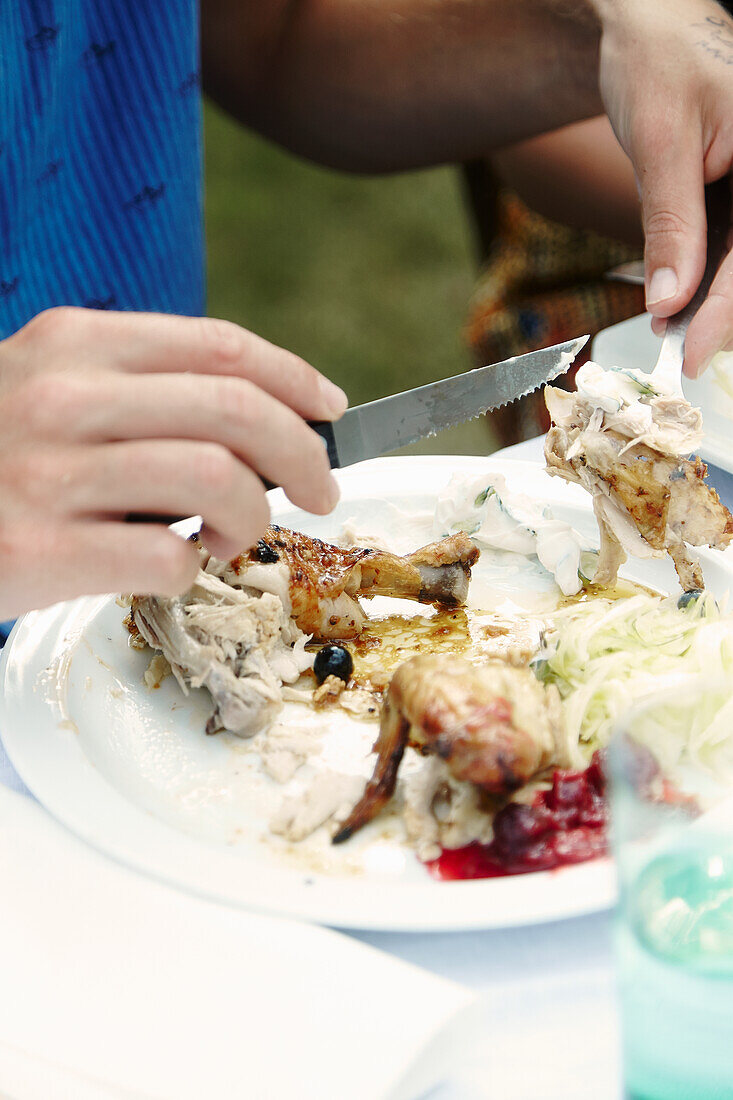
{"x": 556, "y": 1035}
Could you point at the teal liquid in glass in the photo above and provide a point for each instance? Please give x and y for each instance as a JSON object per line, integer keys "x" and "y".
{"x": 675, "y": 951}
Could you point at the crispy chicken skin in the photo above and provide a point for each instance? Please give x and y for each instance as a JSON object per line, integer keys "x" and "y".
{"x": 647, "y": 502}
{"x": 320, "y": 583}
{"x": 494, "y": 725}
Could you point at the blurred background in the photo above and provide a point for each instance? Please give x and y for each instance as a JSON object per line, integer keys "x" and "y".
{"x": 367, "y": 279}
{"x": 390, "y": 282}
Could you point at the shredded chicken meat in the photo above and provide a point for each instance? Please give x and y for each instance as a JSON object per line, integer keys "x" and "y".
{"x": 240, "y": 647}
{"x": 494, "y": 725}
{"x": 648, "y": 498}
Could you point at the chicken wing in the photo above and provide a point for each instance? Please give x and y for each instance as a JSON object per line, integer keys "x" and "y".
{"x": 320, "y": 583}
{"x": 494, "y": 725}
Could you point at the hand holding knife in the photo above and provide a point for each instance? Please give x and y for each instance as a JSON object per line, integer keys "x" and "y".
{"x": 381, "y": 426}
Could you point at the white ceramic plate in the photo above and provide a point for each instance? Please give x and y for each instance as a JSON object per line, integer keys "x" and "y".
{"x": 131, "y": 771}
{"x": 633, "y": 344}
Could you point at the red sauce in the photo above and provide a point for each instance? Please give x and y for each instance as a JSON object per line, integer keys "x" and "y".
{"x": 565, "y": 824}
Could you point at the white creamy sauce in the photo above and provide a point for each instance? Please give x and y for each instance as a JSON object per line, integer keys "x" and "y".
{"x": 398, "y": 531}
{"x": 495, "y": 518}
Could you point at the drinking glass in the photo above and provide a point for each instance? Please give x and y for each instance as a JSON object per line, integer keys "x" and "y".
{"x": 674, "y": 925}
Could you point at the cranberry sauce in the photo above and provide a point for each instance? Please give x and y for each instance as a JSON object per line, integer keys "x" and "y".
{"x": 565, "y": 824}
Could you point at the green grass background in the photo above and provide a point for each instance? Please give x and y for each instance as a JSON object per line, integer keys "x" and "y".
{"x": 368, "y": 279}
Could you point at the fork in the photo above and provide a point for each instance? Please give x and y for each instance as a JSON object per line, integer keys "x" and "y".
{"x": 667, "y": 374}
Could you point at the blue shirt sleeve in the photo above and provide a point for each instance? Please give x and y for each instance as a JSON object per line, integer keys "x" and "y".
{"x": 100, "y": 157}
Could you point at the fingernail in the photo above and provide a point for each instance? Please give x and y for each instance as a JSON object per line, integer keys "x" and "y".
{"x": 334, "y": 492}
{"x": 663, "y": 284}
{"x": 702, "y": 367}
{"x": 334, "y": 398}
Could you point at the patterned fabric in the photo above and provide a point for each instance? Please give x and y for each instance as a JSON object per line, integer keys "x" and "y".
{"x": 542, "y": 283}
{"x": 100, "y": 157}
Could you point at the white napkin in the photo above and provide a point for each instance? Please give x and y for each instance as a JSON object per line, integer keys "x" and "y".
{"x": 114, "y": 986}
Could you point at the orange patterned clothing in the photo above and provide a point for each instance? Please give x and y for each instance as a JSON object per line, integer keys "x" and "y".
{"x": 543, "y": 283}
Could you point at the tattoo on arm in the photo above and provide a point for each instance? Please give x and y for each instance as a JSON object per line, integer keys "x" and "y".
{"x": 716, "y": 38}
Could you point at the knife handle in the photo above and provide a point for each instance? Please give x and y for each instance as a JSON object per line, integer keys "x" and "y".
{"x": 324, "y": 428}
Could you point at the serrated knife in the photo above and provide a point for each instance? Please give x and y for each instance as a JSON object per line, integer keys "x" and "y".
{"x": 389, "y": 423}
{"x": 381, "y": 426}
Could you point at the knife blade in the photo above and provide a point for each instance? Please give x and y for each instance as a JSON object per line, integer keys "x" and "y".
{"x": 378, "y": 427}
{"x": 631, "y": 272}
{"x": 374, "y": 429}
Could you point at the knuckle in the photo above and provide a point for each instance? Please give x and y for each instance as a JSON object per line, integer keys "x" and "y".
{"x": 300, "y": 372}
{"x": 45, "y": 401}
{"x": 302, "y": 379}
{"x": 666, "y": 223}
{"x": 217, "y": 470}
{"x": 223, "y": 340}
{"x": 240, "y": 403}
{"x": 56, "y": 323}
{"x": 32, "y": 475}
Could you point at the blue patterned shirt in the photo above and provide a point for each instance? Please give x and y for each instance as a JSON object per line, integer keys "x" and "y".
{"x": 100, "y": 157}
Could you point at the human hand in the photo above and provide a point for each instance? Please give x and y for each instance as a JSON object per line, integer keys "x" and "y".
{"x": 667, "y": 81}
{"x": 104, "y": 414}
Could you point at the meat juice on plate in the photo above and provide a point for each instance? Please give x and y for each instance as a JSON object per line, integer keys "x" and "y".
{"x": 675, "y": 953}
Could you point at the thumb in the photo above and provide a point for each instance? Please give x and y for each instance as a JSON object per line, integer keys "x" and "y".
{"x": 673, "y": 209}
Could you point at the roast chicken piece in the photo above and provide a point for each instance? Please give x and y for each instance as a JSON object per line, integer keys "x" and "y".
{"x": 647, "y": 501}
{"x": 241, "y": 629}
{"x": 319, "y": 584}
{"x": 495, "y": 725}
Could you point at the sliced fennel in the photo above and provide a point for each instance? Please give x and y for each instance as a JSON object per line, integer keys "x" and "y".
{"x": 605, "y": 656}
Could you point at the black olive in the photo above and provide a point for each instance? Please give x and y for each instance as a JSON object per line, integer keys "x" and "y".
{"x": 333, "y": 660}
{"x": 691, "y": 596}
